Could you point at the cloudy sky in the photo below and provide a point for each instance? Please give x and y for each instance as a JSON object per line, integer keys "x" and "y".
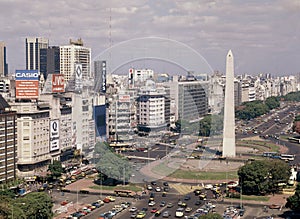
{"x": 264, "y": 35}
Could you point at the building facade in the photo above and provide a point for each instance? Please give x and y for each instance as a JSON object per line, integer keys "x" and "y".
{"x": 73, "y": 54}
{"x": 33, "y": 46}
{"x": 49, "y": 61}
{"x": 3, "y": 63}
{"x": 8, "y": 142}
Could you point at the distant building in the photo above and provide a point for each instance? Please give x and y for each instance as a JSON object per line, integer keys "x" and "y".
{"x": 100, "y": 76}
{"x": 151, "y": 108}
{"x": 33, "y": 46}
{"x": 8, "y": 146}
{"x": 190, "y": 99}
{"x": 3, "y": 64}
{"x": 138, "y": 77}
{"x": 73, "y": 54}
{"x": 49, "y": 61}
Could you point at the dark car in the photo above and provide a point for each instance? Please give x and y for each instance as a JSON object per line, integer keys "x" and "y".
{"x": 166, "y": 184}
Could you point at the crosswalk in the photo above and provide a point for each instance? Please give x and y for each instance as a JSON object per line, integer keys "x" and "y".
{"x": 184, "y": 189}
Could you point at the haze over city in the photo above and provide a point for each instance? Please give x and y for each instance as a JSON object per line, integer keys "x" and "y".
{"x": 263, "y": 35}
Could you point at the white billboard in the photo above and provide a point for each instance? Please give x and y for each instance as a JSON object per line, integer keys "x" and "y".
{"x": 78, "y": 78}
{"x": 54, "y": 135}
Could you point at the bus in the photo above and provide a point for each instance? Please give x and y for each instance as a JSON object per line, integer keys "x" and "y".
{"x": 287, "y": 157}
{"x": 270, "y": 154}
{"x": 124, "y": 193}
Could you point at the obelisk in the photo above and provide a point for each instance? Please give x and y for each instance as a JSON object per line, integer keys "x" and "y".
{"x": 229, "y": 123}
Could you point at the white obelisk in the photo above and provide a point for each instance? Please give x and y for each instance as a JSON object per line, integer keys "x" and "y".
{"x": 229, "y": 123}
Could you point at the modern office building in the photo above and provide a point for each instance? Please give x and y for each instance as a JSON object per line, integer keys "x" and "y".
{"x": 8, "y": 142}
{"x": 73, "y": 54}
{"x": 49, "y": 61}
{"x": 3, "y": 63}
{"x": 33, "y": 46}
{"x": 190, "y": 99}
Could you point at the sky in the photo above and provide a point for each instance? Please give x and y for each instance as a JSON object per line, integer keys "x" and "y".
{"x": 264, "y": 35}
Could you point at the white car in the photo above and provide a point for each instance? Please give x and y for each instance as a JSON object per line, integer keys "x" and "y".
{"x": 208, "y": 186}
{"x": 158, "y": 189}
{"x": 133, "y": 209}
{"x": 152, "y": 203}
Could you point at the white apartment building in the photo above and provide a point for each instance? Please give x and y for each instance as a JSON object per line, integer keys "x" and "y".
{"x": 73, "y": 54}
{"x": 33, "y": 135}
{"x": 151, "y": 107}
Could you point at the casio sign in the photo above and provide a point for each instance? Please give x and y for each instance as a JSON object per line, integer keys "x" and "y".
{"x": 27, "y": 75}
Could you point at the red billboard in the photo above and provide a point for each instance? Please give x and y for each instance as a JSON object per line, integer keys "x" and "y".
{"x": 58, "y": 83}
{"x": 27, "y": 84}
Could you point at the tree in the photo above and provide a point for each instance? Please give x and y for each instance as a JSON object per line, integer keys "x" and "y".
{"x": 272, "y": 102}
{"x": 262, "y": 176}
{"x": 112, "y": 165}
{"x": 56, "y": 169}
{"x": 293, "y": 202}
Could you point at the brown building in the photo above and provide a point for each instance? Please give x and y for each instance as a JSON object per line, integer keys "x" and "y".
{"x": 8, "y": 142}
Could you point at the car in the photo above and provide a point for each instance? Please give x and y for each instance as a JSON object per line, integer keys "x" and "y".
{"x": 202, "y": 196}
{"x": 274, "y": 206}
{"x": 144, "y": 209}
{"x": 154, "y": 210}
{"x": 106, "y": 200}
{"x": 166, "y": 189}
{"x": 149, "y": 187}
{"x": 141, "y": 214}
{"x": 152, "y": 203}
{"x": 166, "y": 214}
{"x": 133, "y": 215}
{"x": 133, "y": 209}
{"x": 96, "y": 204}
{"x": 157, "y": 214}
{"x": 208, "y": 186}
{"x": 179, "y": 212}
{"x": 170, "y": 205}
{"x": 63, "y": 203}
{"x": 198, "y": 202}
{"x": 187, "y": 197}
{"x": 165, "y": 183}
{"x": 188, "y": 209}
{"x": 164, "y": 194}
{"x": 197, "y": 191}
{"x": 162, "y": 204}
{"x": 157, "y": 189}
{"x": 112, "y": 199}
{"x": 153, "y": 183}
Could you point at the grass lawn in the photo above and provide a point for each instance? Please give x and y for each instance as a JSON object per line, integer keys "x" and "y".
{"x": 112, "y": 188}
{"x": 252, "y": 198}
{"x": 182, "y": 174}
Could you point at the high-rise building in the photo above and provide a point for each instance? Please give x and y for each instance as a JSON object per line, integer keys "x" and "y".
{"x": 49, "y": 61}
{"x": 8, "y": 146}
{"x": 73, "y": 54}
{"x": 190, "y": 99}
{"x": 33, "y": 46}
{"x": 3, "y": 64}
{"x": 229, "y": 121}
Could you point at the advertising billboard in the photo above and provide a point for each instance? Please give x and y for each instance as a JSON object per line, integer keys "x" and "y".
{"x": 54, "y": 135}
{"x": 58, "y": 83}
{"x": 124, "y": 98}
{"x": 27, "y": 84}
{"x": 103, "y": 85}
{"x": 78, "y": 78}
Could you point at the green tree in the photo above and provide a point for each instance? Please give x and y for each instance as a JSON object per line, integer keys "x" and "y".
{"x": 36, "y": 205}
{"x": 262, "y": 176}
{"x": 272, "y": 102}
{"x": 293, "y": 202}
{"x": 112, "y": 165}
{"x": 55, "y": 168}
{"x": 211, "y": 216}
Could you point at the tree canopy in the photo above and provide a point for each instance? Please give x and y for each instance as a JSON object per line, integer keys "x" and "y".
{"x": 110, "y": 164}
{"x": 56, "y": 169}
{"x": 263, "y": 176}
{"x": 293, "y": 202}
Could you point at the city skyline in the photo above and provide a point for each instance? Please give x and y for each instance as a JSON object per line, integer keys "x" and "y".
{"x": 264, "y": 36}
